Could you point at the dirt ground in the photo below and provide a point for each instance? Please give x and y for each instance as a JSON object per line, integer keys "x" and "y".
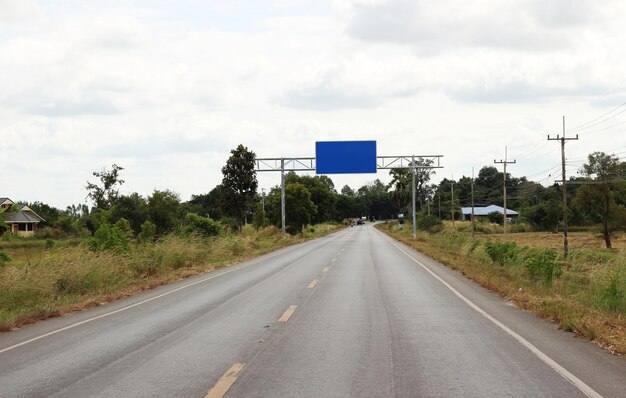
{"x": 576, "y": 240}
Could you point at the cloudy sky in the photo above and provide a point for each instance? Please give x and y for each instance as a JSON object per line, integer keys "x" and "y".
{"x": 166, "y": 88}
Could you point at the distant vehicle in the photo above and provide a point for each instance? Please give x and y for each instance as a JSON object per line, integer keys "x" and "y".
{"x": 360, "y": 221}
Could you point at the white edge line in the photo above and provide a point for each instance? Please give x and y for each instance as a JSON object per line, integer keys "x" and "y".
{"x": 584, "y": 388}
{"x": 134, "y": 305}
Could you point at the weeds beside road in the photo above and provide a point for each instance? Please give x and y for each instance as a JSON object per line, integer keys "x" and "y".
{"x": 585, "y": 293}
{"x": 44, "y": 280}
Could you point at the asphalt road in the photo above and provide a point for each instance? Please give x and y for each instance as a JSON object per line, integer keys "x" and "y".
{"x": 354, "y": 314}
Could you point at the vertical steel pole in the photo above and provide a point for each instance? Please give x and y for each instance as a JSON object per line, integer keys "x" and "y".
{"x": 413, "y": 187}
{"x": 565, "y": 243}
{"x": 282, "y": 196}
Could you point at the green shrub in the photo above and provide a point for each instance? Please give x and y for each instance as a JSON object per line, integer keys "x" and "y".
{"x": 613, "y": 296}
{"x": 541, "y": 266}
{"x": 230, "y": 224}
{"x": 109, "y": 237}
{"x": 123, "y": 225}
{"x": 4, "y": 257}
{"x": 201, "y": 225}
{"x": 49, "y": 244}
{"x": 473, "y": 246}
{"x": 148, "y": 232}
{"x": 495, "y": 217}
{"x": 430, "y": 223}
{"x": 503, "y": 253}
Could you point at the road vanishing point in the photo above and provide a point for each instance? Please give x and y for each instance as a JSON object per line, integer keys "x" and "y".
{"x": 353, "y": 314}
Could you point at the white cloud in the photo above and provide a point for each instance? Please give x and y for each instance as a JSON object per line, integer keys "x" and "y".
{"x": 167, "y": 88}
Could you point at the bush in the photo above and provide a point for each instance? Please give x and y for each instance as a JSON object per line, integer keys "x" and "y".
{"x": 495, "y": 217}
{"x": 202, "y": 225}
{"x": 109, "y": 237}
{"x": 123, "y": 225}
{"x": 502, "y": 253}
{"x": 148, "y": 232}
{"x": 613, "y": 296}
{"x": 429, "y": 223}
{"x": 4, "y": 257}
{"x": 541, "y": 266}
{"x": 230, "y": 224}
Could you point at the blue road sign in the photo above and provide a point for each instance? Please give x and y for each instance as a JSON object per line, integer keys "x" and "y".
{"x": 345, "y": 157}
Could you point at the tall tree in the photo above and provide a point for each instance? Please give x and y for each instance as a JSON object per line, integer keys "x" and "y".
{"x": 606, "y": 193}
{"x": 164, "y": 210}
{"x": 133, "y": 208}
{"x": 105, "y": 194}
{"x": 400, "y": 188}
{"x": 239, "y": 183}
{"x": 423, "y": 172}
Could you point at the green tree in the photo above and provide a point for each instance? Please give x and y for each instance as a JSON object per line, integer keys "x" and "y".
{"x": 423, "y": 172}
{"x": 208, "y": 205}
{"x": 400, "y": 188}
{"x": 164, "y": 210}
{"x": 50, "y": 214}
{"x": 322, "y": 192}
{"x": 605, "y": 194}
{"x": 259, "y": 219}
{"x": 299, "y": 207}
{"x": 148, "y": 232}
{"x": 239, "y": 183}
{"x": 104, "y": 195}
{"x": 202, "y": 225}
{"x": 133, "y": 208}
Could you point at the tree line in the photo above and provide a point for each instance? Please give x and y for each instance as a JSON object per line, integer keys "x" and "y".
{"x": 597, "y": 197}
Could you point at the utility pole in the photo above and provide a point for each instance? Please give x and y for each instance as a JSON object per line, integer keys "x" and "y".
{"x": 413, "y": 189}
{"x": 505, "y": 162}
{"x": 452, "y": 200}
{"x": 439, "y": 197}
{"x": 564, "y": 181}
{"x": 473, "y": 224}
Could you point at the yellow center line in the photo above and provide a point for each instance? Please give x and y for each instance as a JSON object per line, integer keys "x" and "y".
{"x": 325, "y": 269}
{"x": 312, "y": 284}
{"x": 288, "y": 313}
{"x": 223, "y": 384}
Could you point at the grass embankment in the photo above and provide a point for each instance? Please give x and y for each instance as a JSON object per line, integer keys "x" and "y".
{"x": 584, "y": 294}
{"x": 44, "y": 280}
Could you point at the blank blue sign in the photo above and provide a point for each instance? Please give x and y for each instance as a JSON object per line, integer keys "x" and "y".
{"x": 345, "y": 157}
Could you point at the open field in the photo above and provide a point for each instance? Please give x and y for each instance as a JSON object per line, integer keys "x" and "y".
{"x": 585, "y": 293}
{"x": 44, "y": 280}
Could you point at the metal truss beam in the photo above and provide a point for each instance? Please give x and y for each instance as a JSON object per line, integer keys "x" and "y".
{"x": 308, "y": 164}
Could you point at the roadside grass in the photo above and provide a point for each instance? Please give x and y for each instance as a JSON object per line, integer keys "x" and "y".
{"x": 45, "y": 280}
{"x": 584, "y": 294}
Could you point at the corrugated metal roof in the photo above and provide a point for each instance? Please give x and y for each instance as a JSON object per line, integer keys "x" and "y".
{"x": 483, "y": 211}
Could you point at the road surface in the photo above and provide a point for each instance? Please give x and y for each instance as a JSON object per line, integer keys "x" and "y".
{"x": 354, "y": 314}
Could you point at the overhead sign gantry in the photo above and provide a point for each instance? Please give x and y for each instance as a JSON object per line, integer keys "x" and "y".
{"x": 345, "y": 157}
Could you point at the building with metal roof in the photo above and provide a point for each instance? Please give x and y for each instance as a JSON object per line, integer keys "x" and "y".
{"x": 466, "y": 212}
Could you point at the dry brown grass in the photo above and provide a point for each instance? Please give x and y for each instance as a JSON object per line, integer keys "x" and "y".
{"x": 574, "y": 300}
{"x": 576, "y": 240}
{"x": 40, "y": 283}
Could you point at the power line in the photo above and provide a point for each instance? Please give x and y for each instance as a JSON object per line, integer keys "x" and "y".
{"x": 591, "y": 122}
